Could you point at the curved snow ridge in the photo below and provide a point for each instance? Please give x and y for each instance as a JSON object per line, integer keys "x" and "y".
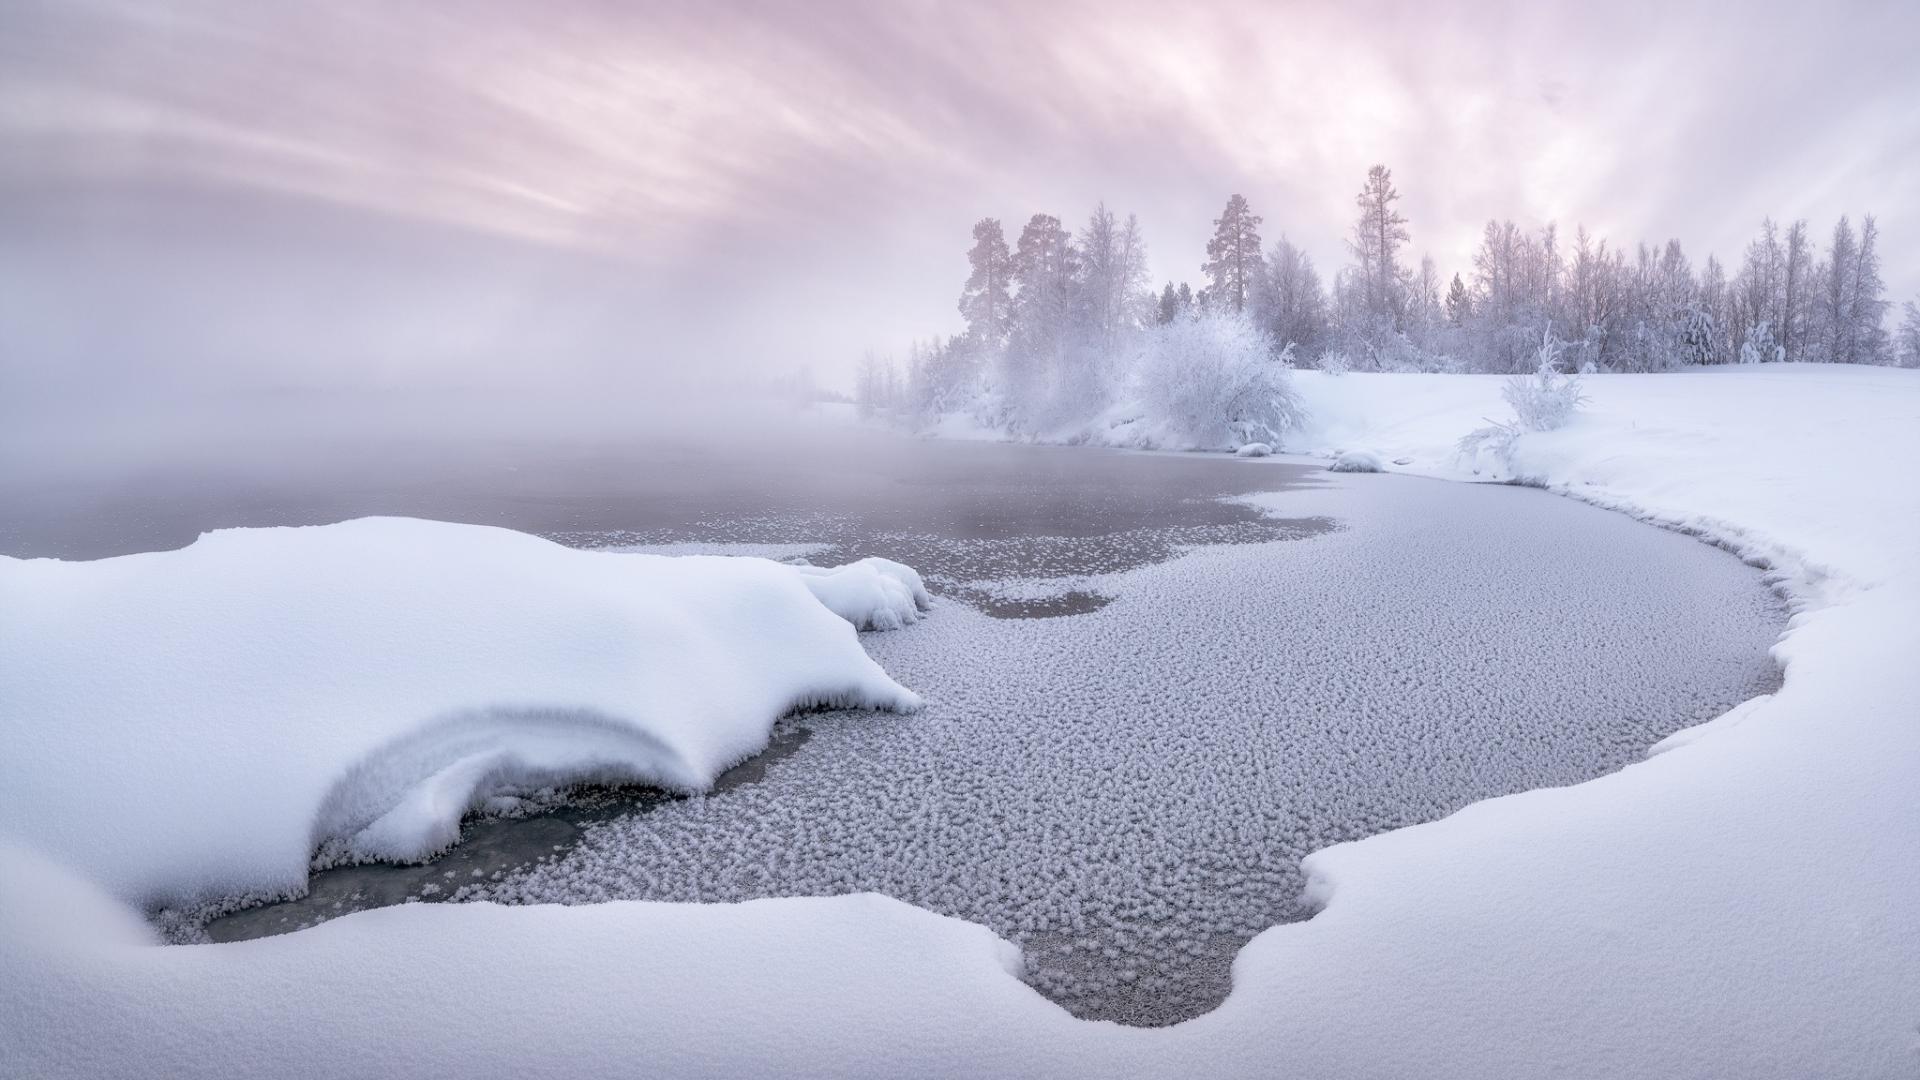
{"x": 195, "y": 722}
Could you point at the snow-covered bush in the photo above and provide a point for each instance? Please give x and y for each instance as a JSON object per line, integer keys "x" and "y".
{"x": 1211, "y": 379}
{"x": 1254, "y": 449}
{"x": 1356, "y": 461}
{"x": 1543, "y": 401}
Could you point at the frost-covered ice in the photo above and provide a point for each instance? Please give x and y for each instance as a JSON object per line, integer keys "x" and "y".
{"x": 1127, "y": 793}
{"x": 774, "y": 551}
{"x": 1356, "y": 461}
{"x": 194, "y": 722}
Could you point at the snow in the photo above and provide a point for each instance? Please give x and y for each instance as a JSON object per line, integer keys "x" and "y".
{"x": 1740, "y": 905}
{"x": 872, "y": 594}
{"x": 194, "y": 722}
{"x": 1254, "y": 449}
{"x": 1356, "y": 461}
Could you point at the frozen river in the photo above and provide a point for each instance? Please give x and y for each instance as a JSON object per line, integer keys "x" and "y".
{"x": 1156, "y": 681}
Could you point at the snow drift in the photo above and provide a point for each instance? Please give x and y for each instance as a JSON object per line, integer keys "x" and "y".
{"x": 1356, "y": 461}
{"x": 195, "y": 722}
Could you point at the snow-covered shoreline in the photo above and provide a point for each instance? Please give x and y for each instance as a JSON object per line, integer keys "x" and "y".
{"x": 1737, "y": 905}
{"x": 193, "y": 723}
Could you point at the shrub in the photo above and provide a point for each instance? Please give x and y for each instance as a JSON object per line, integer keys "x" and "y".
{"x": 1212, "y": 380}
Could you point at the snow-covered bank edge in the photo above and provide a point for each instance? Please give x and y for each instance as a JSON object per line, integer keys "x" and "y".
{"x": 190, "y": 724}
{"x": 1739, "y": 901}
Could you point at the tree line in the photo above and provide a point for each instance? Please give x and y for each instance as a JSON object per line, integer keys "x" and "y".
{"x": 1052, "y": 318}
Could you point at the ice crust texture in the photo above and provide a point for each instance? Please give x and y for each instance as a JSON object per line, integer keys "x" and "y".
{"x": 1127, "y": 793}
{"x": 193, "y": 723}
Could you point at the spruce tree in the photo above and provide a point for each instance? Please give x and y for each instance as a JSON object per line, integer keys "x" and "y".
{"x": 1233, "y": 255}
{"x": 985, "y": 302}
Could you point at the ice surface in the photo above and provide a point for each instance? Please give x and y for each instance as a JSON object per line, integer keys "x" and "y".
{"x": 1127, "y": 793}
{"x": 196, "y": 722}
{"x": 776, "y": 552}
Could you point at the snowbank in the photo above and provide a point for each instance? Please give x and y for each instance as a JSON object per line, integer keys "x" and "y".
{"x": 1356, "y": 461}
{"x": 195, "y": 722}
{"x": 1741, "y": 905}
{"x": 872, "y": 594}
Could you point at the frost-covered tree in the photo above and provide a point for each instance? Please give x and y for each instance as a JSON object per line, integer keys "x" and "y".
{"x": 1045, "y": 269}
{"x": 986, "y": 302}
{"x": 1378, "y": 235}
{"x": 1836, "y": 318}
{"x": 1233, "y": 256}
{"x": 1502, "y": 327}
{"x": 1849, "y": 308}
{"x": 1713, "y": 301}
{"x": 1425, "y": 317}
{"x": 1907, "y": 348}
{"x": 878, "y": 389}
{"x": 1293, "y": 304}
{"x": 1792, "y": 308}
{"x": 1211, "y": 379}
{"x": 1113, "y": 258}
{"x": 1759, "y": 288}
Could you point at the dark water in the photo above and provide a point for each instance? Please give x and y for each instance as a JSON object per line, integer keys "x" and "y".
{"x": 845, "y": 487}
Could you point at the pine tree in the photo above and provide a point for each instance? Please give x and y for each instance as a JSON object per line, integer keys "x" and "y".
{"x": 1044, "y": 267}
{"x": 1169, "y": 309}
{"x": 1459, "y": 304}
{"x": 1233, "y": 255}
{"x": 1045, "y": 270}
{"x": 985, "y": 302}
{"x": 1377, "y": 237}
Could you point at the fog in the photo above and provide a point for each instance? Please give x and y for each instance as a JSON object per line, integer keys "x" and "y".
{"x": 582, "y": 213}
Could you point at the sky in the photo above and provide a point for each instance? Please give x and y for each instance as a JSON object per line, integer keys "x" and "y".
{"x": 582, "y": 192}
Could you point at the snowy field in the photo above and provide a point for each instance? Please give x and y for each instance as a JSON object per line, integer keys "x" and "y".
{"x": 1738, "y": 904}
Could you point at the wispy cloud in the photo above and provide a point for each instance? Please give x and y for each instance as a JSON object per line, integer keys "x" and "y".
{"x": 822, "y": 162}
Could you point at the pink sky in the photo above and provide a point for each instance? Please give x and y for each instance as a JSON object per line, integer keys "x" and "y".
{"x": 792, "y": 183}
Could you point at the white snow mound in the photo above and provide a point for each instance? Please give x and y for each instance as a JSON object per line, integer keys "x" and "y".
{"x": 1254, "y": 449}
{"x": 872, "y": 594}
{"x": 1356, "y": 461}
{"x": 189, "y": 723}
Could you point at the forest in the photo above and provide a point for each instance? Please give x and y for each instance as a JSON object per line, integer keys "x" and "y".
{"x": 1065, "y": 328}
